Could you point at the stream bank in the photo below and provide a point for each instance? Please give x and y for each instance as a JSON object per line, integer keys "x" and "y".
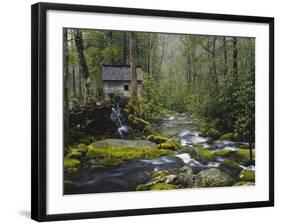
{"x": 178, "y": 158}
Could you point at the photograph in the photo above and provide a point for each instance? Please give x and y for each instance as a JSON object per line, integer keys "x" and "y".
{"x": 149, "y": 111}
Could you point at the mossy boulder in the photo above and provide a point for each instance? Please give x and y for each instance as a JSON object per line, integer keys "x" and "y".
{"x": 223, "y": 153}
{"x": 228, "y": 136}
{"x": 244, "y": 183}
{"x": 70, "y": 165}
{"x": 159, "y": 178}
{"x": 171, "y": 134}
{"x": 185, "y": 175}
{"x": 123, "y": 143}
{"x": 214, "y": 177}
{"x": 168, "y": 145}
{"x": 141, "y": 124}
{"x": 209, "y": 140}
{"x": 157, "y": 139}
{"x": 230, "y": 167}
{"x": 209, "y": 132}
{"x": 113, "y": 156}
{"x": 201, "y": 154}
{"x": 162, "y": 186}
{"x": 242, "y": 156}
{"x": 247, "y": 175}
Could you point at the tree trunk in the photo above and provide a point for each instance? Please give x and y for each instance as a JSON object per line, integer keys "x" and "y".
{"x": 73, "y": 83}
{"x": 133, "y": 64}
{"x": 234, "y": 58}
{"x": 125, "y": 49}
{"x": 66, "y": 74}
{"x": 80, "y": 84}
{"x": 225, "y": 58}
{"x": 214, "y": 62}
{"x": 82, "y": 61}
{"x": 251, "y": 152}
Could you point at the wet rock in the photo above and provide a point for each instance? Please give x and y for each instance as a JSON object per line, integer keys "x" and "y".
{"x": 202, "y": 155}
{"x": 247, "y": 175}
{"x": 230, "y": 167}
{"x": 122, "y": 142}
{"x": 227, "y": 136}
{"x": 184, "y": 175}
{"x": 214, "y": 177}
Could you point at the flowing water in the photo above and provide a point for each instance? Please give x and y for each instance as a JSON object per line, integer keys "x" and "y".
{"x": 130, "y": 174}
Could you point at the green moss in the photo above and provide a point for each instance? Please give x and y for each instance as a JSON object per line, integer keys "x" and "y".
{"x": 70, "y": 162}
{"x": 246, "y": 153}
{"x": 162, "y": 186}
{"x": 168, "y": 145}
{"x": 126, "y": 153}
{"x": 170, "y": 134}
{"x": 144, "y": 187}
{"x": 157, "y": 139}
{"x": 223, "y": 152}
{"x": 242, "y": 156}
{"x": 227, "y": 136}
{"x": 231, "y": 168}
{"x": 247, "y": 175}
{"x": 159, "y": 174}
{"x": 205, "y": 153}
{"x": 68, "y": 182}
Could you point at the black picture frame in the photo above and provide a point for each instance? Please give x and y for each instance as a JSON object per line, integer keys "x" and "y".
{"x": 39, "y": 107}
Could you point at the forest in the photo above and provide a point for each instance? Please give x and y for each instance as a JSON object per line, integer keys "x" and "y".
{"x": 157, "y": 111}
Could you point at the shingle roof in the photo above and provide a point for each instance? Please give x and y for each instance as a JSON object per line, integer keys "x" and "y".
{"x": 119, "y": 73}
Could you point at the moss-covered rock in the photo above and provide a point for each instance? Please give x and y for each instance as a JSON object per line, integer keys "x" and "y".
{"x": 247, "y": 175}
{"x": 223, "y": 153}
{"x": 230, "y": 167}
{"x": 201, "y": 154}
{"x": 111, "y": 161}
{"x": 244, "y": 183}
{"x": 141, "y": 124}
{"x": 242, "y": 156}
{"x": 227, "y": 136}
{"x": 119, "y": 154}
{"x": 214, "y": 177}
{"x": 171, "y": 134}
{"x": 157, "y": 139}
{"x": 168, "y": 145}
{"x": 70, "y": 165}
{"x": 162, "y": 186}
{"x": 184, "y": 175}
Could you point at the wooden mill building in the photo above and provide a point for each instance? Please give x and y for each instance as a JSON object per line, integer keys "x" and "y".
{"x": 117, "y": 81}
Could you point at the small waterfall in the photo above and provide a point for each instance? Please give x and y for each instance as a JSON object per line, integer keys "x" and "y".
{"x": 116, "y": 117}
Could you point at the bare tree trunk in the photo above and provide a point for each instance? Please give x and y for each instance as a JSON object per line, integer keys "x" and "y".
{"x": 214, "y": 61}
{"x": 82, "y": 61}
{"x": 225, "y": 58}
{"x": 251, "y": 152}
{"x": 133, "y": 63}
{"x": 234, "y": 57}
{"x": 66, "y": 74}
{"x": 73, "y": 83}
{"x": 80, "y": 85}
{"x": 125, "y": 49}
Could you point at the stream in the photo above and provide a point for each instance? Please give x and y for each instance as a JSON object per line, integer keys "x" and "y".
{"x": 130, "y": 174}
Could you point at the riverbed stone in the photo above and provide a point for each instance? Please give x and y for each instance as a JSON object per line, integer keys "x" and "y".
{"x": 247, "y": 175}
{"x": 230, "y": 167}
{"x": 122, "y": 143}
{"x": 184, "y": 175}
{"x": 214, "y": 177}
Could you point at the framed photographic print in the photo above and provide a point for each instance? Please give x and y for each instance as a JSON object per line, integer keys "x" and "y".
{"x": 138, "y": 111}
